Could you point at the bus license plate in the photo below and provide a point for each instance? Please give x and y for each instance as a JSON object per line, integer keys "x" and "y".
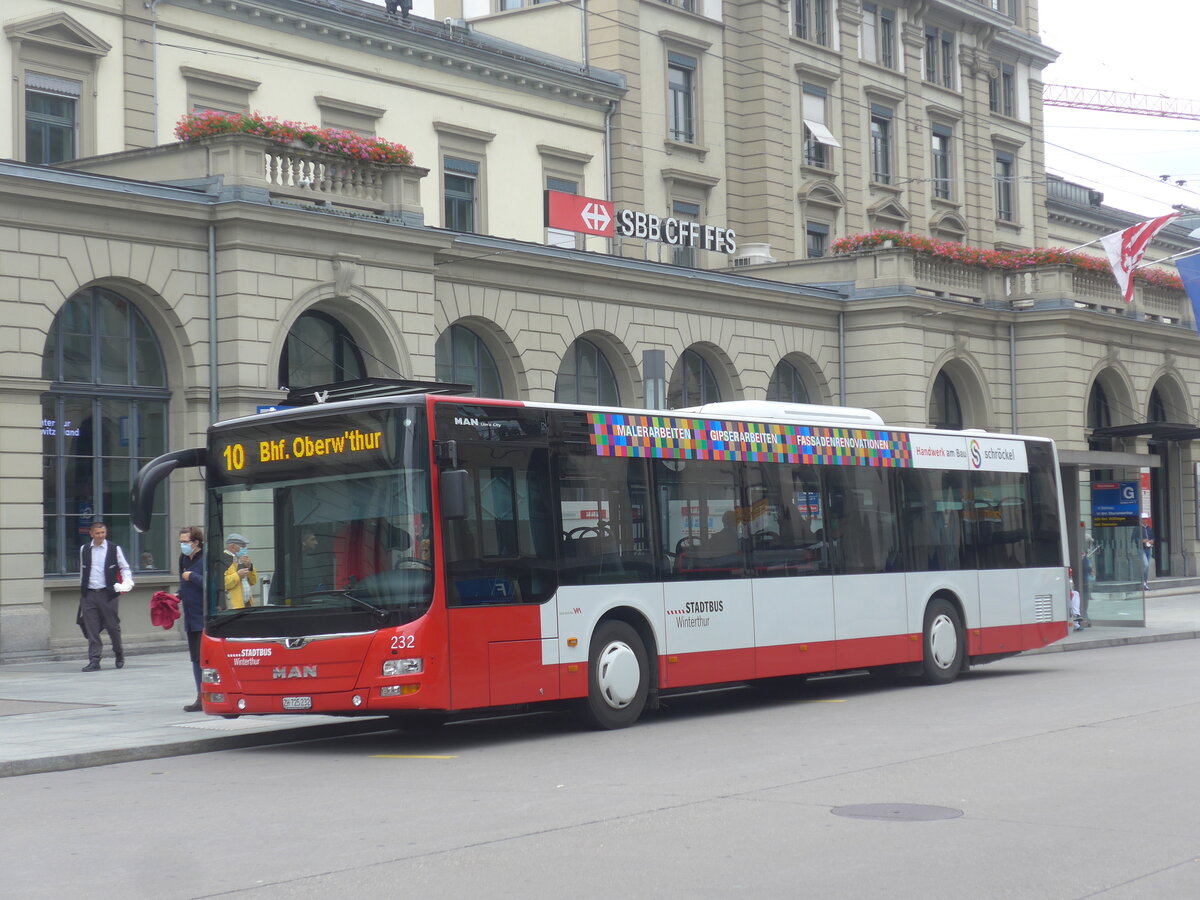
{"x": 297, "y": 702}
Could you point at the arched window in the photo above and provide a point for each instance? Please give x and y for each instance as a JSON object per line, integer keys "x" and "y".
{"x": 1099, "y": 415}
{"x": 462, "y": 358}
{"x": 319, "y": 350}
{"x": 586, "y": 377}
{"x": 104, "y": 416}
{"x": 944, "y": 409}
{"x": 786, "y": 385}
{"x": 1158, "y": 408}
{"x": 693, "y": 383}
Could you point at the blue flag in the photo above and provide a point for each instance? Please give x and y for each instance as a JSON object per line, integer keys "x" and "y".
{"x": 1189, "y": 271}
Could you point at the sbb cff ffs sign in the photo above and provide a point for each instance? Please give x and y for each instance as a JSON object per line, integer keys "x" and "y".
{"x": 587, "y": 215}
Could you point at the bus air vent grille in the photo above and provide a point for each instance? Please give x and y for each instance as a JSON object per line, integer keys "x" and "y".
{"x": 1043, "y": 608}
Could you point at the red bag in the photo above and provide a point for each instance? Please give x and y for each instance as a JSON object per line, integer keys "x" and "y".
{"x": 164, "y": 609}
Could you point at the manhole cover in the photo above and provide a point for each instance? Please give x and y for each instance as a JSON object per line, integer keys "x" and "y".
{"x": 898, "y": 812}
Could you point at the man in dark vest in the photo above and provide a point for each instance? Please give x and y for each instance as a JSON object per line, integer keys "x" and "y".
{"x": 103, "y": 575}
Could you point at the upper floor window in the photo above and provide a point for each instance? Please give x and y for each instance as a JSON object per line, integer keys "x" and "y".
{"x": 812, "y": 20}
{"x": 881, "y": 144}
{"x": 939, "y": 56}
{"x": 685, "y": 211}
{"x": 877, "y": 41}
{"x": 681, "y": 97}
{"x": 817, "y": 136}
{"x": 943, "y": 138}
{"x": 51, "y": 119}
{"x": 1002, "y": 90}
{"x": 1005, "y": 193}
{"x": 54, "y": 60}
{"x": 460, "y": 180}
{"x": 560, "y": 237}
{"x": 685, "y": 5}
{"x": 816, "y": 240}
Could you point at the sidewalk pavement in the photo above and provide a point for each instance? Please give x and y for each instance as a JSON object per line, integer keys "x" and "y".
{"x": 54, "y": 717}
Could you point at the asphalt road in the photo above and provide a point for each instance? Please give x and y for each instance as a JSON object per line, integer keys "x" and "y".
{"x": 1064, "y": 775}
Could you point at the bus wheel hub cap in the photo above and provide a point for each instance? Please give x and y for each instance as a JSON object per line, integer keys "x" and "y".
{"x": 618, "y": 674}
{"x": 943, "y": 642}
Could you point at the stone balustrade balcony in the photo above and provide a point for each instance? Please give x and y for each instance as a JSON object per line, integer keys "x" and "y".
{"x": 249, "y": 165}
{"x": 876, "y": 271}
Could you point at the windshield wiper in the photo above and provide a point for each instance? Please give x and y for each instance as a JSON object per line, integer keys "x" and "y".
{"x": 379, "y": 611}
{"x": 236, "y": 614}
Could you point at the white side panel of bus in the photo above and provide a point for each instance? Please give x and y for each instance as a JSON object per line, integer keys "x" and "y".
{"x": 999, "y": 598}
{"x": 870, "y": 606}
{"x": 577, "y": 609}
{"x": 1044, "y": 595}
{"x": 923, "y": 585}
{"x": 708, "y": 615}
{"x": 793, "y": 610}
{"x": 549, "y": 625}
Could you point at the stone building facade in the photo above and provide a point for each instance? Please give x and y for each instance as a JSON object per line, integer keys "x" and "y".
{"x": 149, "y": 288}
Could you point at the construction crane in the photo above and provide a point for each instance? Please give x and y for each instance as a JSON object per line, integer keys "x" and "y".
{"x": 1120, "y": 102}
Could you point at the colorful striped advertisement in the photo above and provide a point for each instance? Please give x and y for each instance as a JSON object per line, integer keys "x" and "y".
{"x": 664, "y": 437}
{"x": 667, "y": 437}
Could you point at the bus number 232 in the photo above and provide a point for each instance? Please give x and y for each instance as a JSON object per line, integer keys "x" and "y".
{"x": 403, "y": 641}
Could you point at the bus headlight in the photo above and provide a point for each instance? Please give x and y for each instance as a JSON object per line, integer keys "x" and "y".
{"x": 394, "y": 667}
{"x": 210, "y": 676}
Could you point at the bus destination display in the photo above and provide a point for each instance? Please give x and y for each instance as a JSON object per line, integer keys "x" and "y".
{"x": 288, "y": 449}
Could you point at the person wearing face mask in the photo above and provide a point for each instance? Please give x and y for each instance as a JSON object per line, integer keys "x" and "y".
{"x": 239, "y": 572}
{"x": 191, "y": 597}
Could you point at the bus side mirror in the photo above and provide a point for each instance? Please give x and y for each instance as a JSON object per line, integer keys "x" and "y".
{"x": 452, "y": 487}
{"x": 148, "y": 477}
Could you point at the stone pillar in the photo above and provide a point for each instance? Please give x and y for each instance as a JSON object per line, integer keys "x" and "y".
{"x": 978, "y": 164}
{"x": 24, "y": 612}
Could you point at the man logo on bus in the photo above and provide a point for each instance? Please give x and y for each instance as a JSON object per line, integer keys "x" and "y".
{"x": 976, "y": 454}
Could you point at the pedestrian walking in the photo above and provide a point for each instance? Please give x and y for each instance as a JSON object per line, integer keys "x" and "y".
{"x": 103, "y": 575}
{"x": 191, "y": 597}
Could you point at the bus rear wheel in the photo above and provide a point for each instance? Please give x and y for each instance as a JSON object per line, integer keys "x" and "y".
{"x": 618, "y": 676}
{"x": 944, "y": 643}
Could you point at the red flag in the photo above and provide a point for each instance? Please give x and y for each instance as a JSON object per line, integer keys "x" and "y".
{"x": 1125, "y": 249}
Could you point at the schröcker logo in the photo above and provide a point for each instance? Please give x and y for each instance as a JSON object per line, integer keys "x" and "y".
{"x": 976, "y": 454}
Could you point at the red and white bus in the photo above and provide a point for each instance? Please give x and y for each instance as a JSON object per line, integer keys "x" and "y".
{"x": 446, "y": 554}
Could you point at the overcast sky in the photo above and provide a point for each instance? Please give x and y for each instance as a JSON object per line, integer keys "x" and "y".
{"x": 1146, "y": 47}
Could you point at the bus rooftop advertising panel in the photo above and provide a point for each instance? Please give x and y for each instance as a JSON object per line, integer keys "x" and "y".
{"x": 669, "y": 437}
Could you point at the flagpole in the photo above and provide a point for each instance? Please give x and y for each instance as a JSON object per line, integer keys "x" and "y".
{"x": 1088, "y": 244}
{"x": 1143, "y": 265}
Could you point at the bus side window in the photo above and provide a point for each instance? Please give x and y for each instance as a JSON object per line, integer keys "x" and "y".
{"x": 694, "y": 498}
{"x": 862, "y": 526}
{"x": 604, "y": 529}
{"x": 785, "y": 523}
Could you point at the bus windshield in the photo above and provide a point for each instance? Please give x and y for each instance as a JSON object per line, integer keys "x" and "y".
{"x": 319, "y": 525}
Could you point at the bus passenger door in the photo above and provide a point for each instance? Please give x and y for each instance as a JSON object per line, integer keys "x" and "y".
{"x": 500, "y": 559}
{"x": 708, "y": 598}
{"x": 793, "y": 591}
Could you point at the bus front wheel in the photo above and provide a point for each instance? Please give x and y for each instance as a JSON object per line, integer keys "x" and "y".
{"x": 618, "y": 676}
{"x": 944, "y": 643}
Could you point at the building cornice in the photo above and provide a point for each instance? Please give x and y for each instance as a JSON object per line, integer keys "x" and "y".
{"x": 450, "y": 46}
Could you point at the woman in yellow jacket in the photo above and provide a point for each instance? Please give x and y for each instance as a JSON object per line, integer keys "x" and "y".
{"x": 239, "y": 573}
